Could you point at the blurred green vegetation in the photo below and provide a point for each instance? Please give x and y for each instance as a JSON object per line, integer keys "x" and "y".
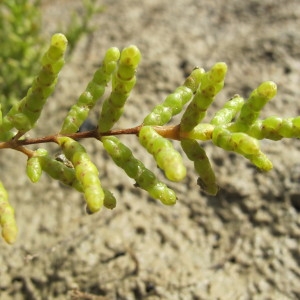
{"x": 22, "y": 43}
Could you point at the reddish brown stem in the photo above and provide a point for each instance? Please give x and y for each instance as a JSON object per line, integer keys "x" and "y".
{"x": 171, "y": 132}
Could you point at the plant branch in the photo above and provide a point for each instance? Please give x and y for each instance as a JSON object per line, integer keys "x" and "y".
{"x": 170, "y": 131}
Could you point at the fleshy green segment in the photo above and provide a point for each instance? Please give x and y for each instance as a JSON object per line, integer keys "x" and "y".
{"x": 202, "y": 132}
{"x": 110, "y": 201}
{"x": 243, "y": 144}
{"x": 252, "y": 107}
{"x": 207, "y": 178}
{"x": 86, "y": 173}
{"x": 95, "y": 89}
{"x": 275, "y": 128}
{"x": 24, "y": 114}
{"x": 174, "y": 103}
{"x": 193, "y": 80}
{"x": 34, "y": 168}
{"x": 135, "y": 169}
{"x": 235, "y": 141}
{"x": 227, "y": 113}
{"x": 261, "y": 161}
{"x": 211, "y": 83}
{"x": 166, "y": 157}
{"x": 58, "y": 170}
{"x": 123, "y": 81}
{"x": 7, "y": 217}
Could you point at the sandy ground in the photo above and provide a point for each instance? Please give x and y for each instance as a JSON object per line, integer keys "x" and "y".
{"x": 242, "y": 244}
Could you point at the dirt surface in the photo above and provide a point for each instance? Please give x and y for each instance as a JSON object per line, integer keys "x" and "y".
{"x": 242, "y": 244}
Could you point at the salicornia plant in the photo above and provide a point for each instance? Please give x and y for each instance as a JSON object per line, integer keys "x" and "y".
{"x": 235, "y": 127}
